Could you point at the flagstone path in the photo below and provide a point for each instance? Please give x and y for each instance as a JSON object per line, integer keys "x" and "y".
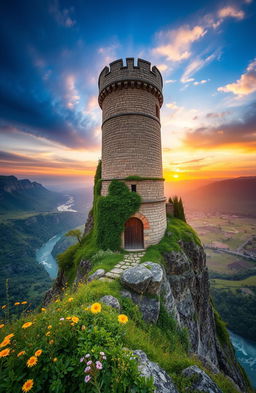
{"x": 130, "y": 260}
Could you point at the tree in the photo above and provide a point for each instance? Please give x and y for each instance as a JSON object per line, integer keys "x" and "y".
{"x": 75, "y": 233}
{"x": 178, "y": 209}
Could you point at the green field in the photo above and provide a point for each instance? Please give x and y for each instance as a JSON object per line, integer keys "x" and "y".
{"x": 230, "y": 284}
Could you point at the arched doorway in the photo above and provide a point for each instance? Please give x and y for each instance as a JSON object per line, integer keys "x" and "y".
{"x": 133, "y": 234}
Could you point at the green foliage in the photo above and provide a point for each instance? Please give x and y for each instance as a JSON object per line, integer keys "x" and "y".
{"x": 222, "y": 332}
{"x": 75, "y": 233}
{"x": 178, "y": 209}
{"x": 112, "y": 211}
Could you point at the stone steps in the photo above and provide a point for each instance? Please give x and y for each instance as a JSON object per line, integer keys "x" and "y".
{"x": 130, "y": 260}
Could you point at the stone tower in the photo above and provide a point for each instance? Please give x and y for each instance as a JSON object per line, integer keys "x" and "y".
{"x": 131, "y": 97}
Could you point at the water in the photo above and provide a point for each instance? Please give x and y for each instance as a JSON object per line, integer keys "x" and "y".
{"x": 246, "y": 354}
{"x": 66, "y": 207}
{"x": 44, "y": 256}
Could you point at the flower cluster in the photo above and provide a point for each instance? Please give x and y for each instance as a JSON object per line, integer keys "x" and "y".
{"x": 92, "y": 367}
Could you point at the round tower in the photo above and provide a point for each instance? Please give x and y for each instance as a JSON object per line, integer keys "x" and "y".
{"x": 131, "y": 97}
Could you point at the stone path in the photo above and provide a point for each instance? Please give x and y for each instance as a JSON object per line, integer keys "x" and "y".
{"x": 130, "y": 260}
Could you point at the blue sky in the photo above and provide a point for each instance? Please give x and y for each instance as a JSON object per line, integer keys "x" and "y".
{"x": 52, "y": 53}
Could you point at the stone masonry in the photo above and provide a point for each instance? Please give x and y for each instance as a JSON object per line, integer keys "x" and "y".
{"x": 131, "y": 97}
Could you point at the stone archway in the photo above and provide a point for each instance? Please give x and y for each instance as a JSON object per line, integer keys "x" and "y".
{"x": 133, "y": 234}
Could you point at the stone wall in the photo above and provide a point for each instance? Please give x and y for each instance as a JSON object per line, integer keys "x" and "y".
{"x": 147, "y": 189}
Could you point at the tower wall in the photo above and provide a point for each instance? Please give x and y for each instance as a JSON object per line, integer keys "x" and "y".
{"x": 130, "y": 97}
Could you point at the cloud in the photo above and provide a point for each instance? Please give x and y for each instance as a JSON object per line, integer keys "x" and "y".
{"x": 170, "y": 81}
{"x": 214, "y": 115}
{"x": 195, "y": 66}
{"x": 177, "y": 43}
{"x": 241, "y": 133}
{"x": 162, "y": 67}
{"x": 230, "y": 12}
{"x": 245, "y": 85}
{"x": 172, "y": 105}
{"x": 62, "y": 16}
{"x": 202, "y": 82}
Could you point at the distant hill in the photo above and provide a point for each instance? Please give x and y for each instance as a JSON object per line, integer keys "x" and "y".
{"x": 24, "y": 195}
{"x": 236, "y": 196}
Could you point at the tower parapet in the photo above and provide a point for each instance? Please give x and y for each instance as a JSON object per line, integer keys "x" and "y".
{"x": 118, "y": 76}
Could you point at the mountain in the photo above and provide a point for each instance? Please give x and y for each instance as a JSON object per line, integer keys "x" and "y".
{"x": 24, "y": 195}
{"x": 236, "y": 196}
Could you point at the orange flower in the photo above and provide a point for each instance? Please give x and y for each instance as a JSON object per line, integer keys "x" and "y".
{"x": 4, "y": 306}
{"x": 75, "y": 319}
{"x": 122, "y": 318}
{"x": 6, "y": 341}
{"x": 32, "y": 361}
{"x": 54, "y": 359}
{"x": 21, "y": 353}
{"x": 38, "y": 352}
{"x": 25, "y": 302}
{"x": 49, "y": 327}
{"x": 17, "y": 304}
{"x": 26, "y": 325}
{"x": 51, "y": 342}
{"x": 95, "y": 308}
{"x": 5, "y": 352}
{"x": 10, "y": 335}
{"x": 48, "y": 333}
{"x": 68, "y": 318}
{"x": 27, "y": 386}
{"x": 70, "y": 299}
{"x": 43, "y": 309}
{"x": 2, "y": 325}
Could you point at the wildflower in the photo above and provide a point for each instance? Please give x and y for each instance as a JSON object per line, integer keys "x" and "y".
{"x": 4, "y": 306}
{"x": 87, "y": 378}
{"x": 43, "y": 309}
{"x": 104, "y": 357}
{"x": 27, "y": 386}
{"x": 49, "y": 327}
{"x": 87, "y": 369}
{"x": 10, "y": 335}
{"x": 68, "y": 318}
{"x": 32, "y": 361}
{"x": 2, "y": 325}
{"x": 75, "y": 319}
{"x": 102, "y": 353}
{"x": 98, "y": 365}
{"x": 72, "y": 324}
{"x": 70, "y": 299}
{"x": 87, "y": 355}
{"x": 54, "y": 360}
{"x": 17, "y": 304}
{"x": 6, "y": 341}
{"x": 48, "y": 333}
{"x": 83, "y": 327}
{"x": 89, "y": 363}
{"x": 51, "y": 342}
{"x": 62, "y": 319}
{"x": 4, "y": 352}
{"x": 21, "y": 353}
{"x": 82, "y": 359}
{"x": 38, "y": 352}
{"x": 122, "y": 318}
{"x": 57, "y": 300}
{"x": 25, "y": 302}
{"x": 95, "y": 308}
{"x": 26, "y": 325}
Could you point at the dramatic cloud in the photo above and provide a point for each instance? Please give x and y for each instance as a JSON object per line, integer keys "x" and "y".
{"x": 230, "y": 12}
{"x": 177, "y": 43}
{"x": 241, "y": 134}
{"x": 245, "y": 85}
{"x": 195, "y": 66}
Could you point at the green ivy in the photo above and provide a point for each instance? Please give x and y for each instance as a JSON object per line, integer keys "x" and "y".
{"x": 111, "y": 213}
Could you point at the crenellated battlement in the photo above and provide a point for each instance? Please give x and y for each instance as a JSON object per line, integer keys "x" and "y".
{"x": 118, "y": 75}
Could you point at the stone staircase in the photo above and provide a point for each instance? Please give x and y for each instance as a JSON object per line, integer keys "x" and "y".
{"x": 130, "y": 260}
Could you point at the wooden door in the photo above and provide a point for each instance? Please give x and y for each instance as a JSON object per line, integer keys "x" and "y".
{"x": 133, "y": 234}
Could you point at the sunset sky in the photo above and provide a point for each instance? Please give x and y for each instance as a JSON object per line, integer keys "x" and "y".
{"x": 53, "y": 51}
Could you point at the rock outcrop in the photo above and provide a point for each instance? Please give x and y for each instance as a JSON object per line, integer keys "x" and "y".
{"x": 201, "y": 381}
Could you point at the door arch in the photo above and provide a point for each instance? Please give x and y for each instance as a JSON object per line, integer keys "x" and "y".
{"x": 133, "y": 234}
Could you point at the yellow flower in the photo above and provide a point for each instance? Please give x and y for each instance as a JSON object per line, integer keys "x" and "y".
{"x": 10, "y": 335}
{"x": 48, "y": 333}
{"x": 83, "y": 327}
{"x": 26, "y": 325}
{"x": 6, "y": 341}
{"x": 122, "y": 318}
{"x": 21, "y": 353}
{"x": 75, "y": 319}
{"x": 2, "y": 325}
{"x": 49, "y": 327}
{"x": 38, "y": 352}
{"x": 54, "y": 359}
{"x": 32, "y": 361}
{"x": 17, "y": 304}
{"x": 27, "y": 386}
{"x": 68, "y": 318}
{"x": 51, "y": 342}
{"x": 70, "y": 299}
{"x": 24, "y": 302}
{"x": 4, "y": 306}
{"x": 95, "y": 308}
{"x": 43, "y": 309}
{"x": 72, "y": 324}
{"x": 57, "y": 300}
{"x": 5, "y": 352}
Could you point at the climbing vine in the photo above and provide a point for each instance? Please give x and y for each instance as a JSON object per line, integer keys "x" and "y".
{"x": 111, "y": 213}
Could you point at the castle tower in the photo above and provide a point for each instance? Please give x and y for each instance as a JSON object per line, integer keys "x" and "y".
{"x": 131, "y": 97}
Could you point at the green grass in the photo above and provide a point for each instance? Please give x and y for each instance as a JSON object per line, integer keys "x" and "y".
{"x": 231, "y": 284}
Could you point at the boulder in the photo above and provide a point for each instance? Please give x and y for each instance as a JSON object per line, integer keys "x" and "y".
{"x": 82, "y": 271}
{"x": 111, "y": 301}
{"x": 201, "y": 382}
{"x": 137, "y": 278}
{"x": 162, "y": 381}
{"x": 96, "y": 275}
{"x": 157, "y": 277}
{"x": 149, "y": 306}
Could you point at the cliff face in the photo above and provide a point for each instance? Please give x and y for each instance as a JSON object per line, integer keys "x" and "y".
{"x": 185, "y": 291}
